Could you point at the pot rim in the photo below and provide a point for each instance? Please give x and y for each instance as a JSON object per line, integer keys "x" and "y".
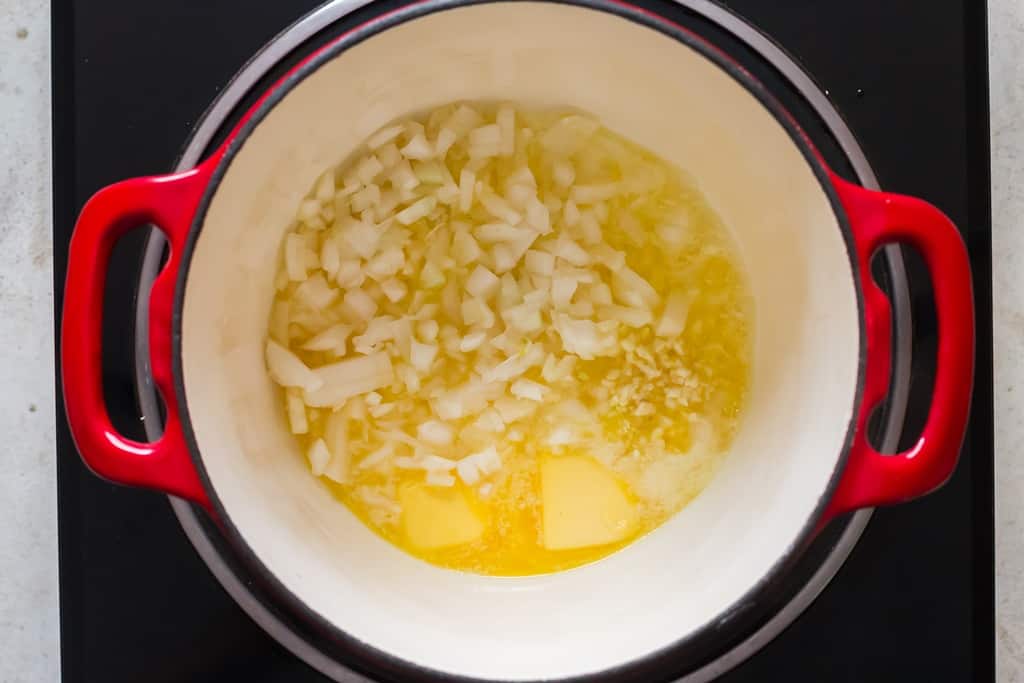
{"x": 362, "y": 656}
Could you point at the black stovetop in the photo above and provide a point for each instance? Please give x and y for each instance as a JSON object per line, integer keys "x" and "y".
{"x": 915, "y": 599}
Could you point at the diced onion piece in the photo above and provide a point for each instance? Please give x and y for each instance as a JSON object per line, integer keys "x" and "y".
{"x": 319, "y": 457}
{"x": 487, "y": 135}
{"x": 384, "y": 136}
{"x": 369, "y": 168}
{"x": 510, "y": 294}
{"x": 468, "y": 471}
{"x": 331, "y": 339}
{"x": 563, "y": 174}
{"x": 377, "y": 331}
{"x": 496, "y": 206}
{"x": 416, "y": 210}
{"x": 467, "y": 182}
{"x": 472, "y": 341}
{"x": 490, "y": 233}
{"x": 540, "y": 262}
{"x": 632, "y": 290}
{"x": 350, "y": 274}
{"x": 557, "y": 369}
{"x": 568, "y": 250}
{"x": 538, "y": 216}
{"x": 529, "y": 390}
{"x": 386, "y": 263}
{"x": 402, "y": 176}
{"x": 673, "y": 318}
{"x": 445, "y": 139}
{"x": 467, "y": 399}
{"x": 336, "y": 439}
{"x": 585, "y": 338}
{"x": 600, "y": 294}
{"x": 427, "y": 330}
{"x": 589, "y": 228}
{"x": 463, "y": 119}
{"x": 590, "y": 194}
{"x": 632, "y": 317}
{"x": 330, "y": 257}
{"x": 394, "y": 290}
{"x": 490, "y": 421}
{"x": 482, "y": 283}
{"x": 418, "y": 148}
{"x": 365, "y": 199}
{"x": 350, "y": 377}
{"x": 316, "y": 293}
{"x": 361, "y": 237}
{"x": 512, "y": 410}
{"x": 431, "y": 276}
{"x": 465, "y": 250}
{"x": 562, "y": 289}
{"x": 613, "y": 259}
{"x": 376, "y": 458}
{"x": 360, "y": 303}
{"x": 422, "y": 356}
{"x": 288, "y": 370}
{"x": 525, "y": 317}
{"x": 475, "y": 312}
{"x": 436, "y": 433}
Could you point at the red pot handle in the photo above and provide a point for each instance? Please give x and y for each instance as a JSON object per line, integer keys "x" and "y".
{"x": 877, "y": 219}
{"x": 169, "y": 202}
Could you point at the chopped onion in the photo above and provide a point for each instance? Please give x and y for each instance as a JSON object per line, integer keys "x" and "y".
{"x": 350, "y": 377}
{"x": 319, "y": 457}
{"x": 585, "y": 338}
{"x": 416, "y": 211}
{"x": 394, "y": 290}
{"x": 331, "y": 339}
{"x": 423, "y": 356}
{"x": 482, "y": 283}
{"x": 384, "y": 136}
{"x": 524, "y": 388}
{"x": 673, "y": 318}
{"x": 472, "y": 341}
{"x": 436, "y": 433}
{"x": 360, "y": 303}
{"x": 465, "y": 250}
{"x": 418, "y": 148}
{"x": 288, "y": 370}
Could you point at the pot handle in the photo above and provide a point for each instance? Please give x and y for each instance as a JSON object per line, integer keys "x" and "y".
{"x": 168, "y": 202}
{"x": 877, "y": 219}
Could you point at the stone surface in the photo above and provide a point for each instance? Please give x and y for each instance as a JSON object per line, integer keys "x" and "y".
{"x": 29, "y": 614}
{"x": 1006, "y": 36}
{"x": 28, "y": 526}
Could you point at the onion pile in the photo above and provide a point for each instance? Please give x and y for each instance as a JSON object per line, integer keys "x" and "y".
{"x": 482, "y": 287}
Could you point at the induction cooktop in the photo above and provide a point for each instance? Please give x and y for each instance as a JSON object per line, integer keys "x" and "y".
{"x": 894, "y": 97}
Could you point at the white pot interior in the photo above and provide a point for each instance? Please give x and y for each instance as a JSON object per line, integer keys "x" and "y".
{"x": 656, "y": 91}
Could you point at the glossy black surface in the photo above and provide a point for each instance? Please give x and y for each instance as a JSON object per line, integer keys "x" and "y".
{"x": 915, "y": 599}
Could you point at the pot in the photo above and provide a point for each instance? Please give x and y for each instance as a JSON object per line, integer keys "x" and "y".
{"x": 820, "y": 361}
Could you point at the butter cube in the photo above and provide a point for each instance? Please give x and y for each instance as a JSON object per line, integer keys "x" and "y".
{"x": 584, "y": 504}
{"x": 437, "y": 518}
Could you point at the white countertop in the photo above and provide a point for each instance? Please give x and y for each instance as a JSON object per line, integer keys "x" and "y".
{"x": 29, "y": 615}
